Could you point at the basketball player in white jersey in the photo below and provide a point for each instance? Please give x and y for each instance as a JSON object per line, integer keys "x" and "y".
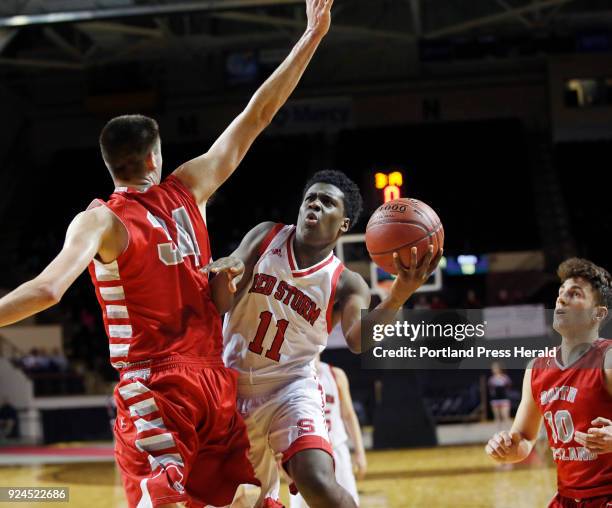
{"x": 341, "y": 422}
{"x": 292, "y": 289}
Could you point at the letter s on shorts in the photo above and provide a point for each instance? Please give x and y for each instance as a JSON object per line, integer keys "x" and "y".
{"x": 306, "y": 426}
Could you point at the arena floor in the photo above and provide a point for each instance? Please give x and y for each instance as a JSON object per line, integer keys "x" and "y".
{"x": 455, "y": 476}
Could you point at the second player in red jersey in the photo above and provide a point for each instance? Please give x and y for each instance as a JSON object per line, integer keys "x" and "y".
{"x": 165, "y": 340}
{"x": 570, "y": 398}
{"x": 154, "y": 299}
{"x": 570, "y": 393}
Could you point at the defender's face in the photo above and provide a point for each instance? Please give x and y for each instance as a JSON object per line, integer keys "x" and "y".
{"x": 321, "y": 218}
{"x": 576, "y": 309}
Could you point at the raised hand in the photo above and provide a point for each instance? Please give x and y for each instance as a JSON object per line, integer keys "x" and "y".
{"x": 318, "y": 13}
{"x": 232, "y": 267}
{"x": 410, "y": 278}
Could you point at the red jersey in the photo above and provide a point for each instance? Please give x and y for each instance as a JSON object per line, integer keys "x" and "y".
{"x": 154, "y": 300}
{"x": 569, "y": 399}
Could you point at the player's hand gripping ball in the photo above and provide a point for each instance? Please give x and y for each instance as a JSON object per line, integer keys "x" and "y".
{"x": 399, "y": 225}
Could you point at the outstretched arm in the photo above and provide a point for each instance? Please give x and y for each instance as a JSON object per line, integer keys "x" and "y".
{"x": 205, "y": 174}
{"x": 354, "y": 295}
{"x": 84, "y": 238}
{"x": 516, "y": 445}
{"x": 351, "y": 422}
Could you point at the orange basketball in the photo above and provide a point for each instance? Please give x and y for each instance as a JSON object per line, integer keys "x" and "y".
{"x": 399, "y": 225}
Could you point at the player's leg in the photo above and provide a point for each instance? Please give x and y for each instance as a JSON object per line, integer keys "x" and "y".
{"x": 344, "y": 470}
{"x": 298, "y": 430}
{"x": 344, "y": 476}
{"x": 495, "y": 412}
{"x": 497, "y": 416}
{"x": 222, "y": 474}
{"x": 263, "y": 463}
{"x": 257, "y": 413}
{"x": 153, "y": 448}
{"x": 313, "y": 473}
{"x": 505, "y": 412}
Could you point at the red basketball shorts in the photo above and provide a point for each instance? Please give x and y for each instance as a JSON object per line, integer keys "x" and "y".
{"x": 560, "y": 501}
{"x": 178, "y": 435}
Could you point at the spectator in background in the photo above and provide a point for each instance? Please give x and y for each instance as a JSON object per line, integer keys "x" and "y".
{"x": 471, "y": 300}
{"x": 499, "y": 384}
{"x": 44, "y": 361}
{"x": 518, "y": 297}
{"x": 36, "y": 361}
{"x": 422, "y": 303}
{"x": 503, "y": 298}
{"x": 437, "y": 303}
{"x": 9, "y": 422}
{"x": 31, "y": 361}
{"x": 59, "y": 362}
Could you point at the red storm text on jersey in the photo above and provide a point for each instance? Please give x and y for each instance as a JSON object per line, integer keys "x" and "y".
{"x": 281, "y": 322}
{"x": 154, "y": 300}
{"x": 570, "y": 398}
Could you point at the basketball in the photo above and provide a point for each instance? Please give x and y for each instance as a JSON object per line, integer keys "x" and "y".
{"x": 399, "y": 225}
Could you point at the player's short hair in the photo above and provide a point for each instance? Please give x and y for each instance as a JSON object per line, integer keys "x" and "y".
{"x": 598, "y": 277}
{"x": 353, "y": 203}
{"x": 125, "y": 142}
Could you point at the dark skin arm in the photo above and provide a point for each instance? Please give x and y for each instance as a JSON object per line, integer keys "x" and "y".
{"x": 226, "y": 285}
{"x": 227, "y": 273}
{"x": 353, "y": 295}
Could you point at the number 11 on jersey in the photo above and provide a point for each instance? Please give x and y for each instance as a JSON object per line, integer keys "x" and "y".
{"x": 256, "y": 345}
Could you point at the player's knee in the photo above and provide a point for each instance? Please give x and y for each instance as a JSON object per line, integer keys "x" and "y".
{"x": 316, "y": 485}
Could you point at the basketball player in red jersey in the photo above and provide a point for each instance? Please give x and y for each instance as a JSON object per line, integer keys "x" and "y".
{"x": 571, "y": 392}
{"x": 178, "y": 435}
{"x": 293, "y": 290}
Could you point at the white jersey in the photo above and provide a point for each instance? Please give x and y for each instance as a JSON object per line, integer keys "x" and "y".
{"x": 333, "y": 413}
{"x": 283, "y": 317}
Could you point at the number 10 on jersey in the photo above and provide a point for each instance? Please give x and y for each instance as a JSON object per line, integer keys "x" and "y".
{"x": 256, "y": 345}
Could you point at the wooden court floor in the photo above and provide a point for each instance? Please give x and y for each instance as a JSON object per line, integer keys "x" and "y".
{"x": 459, "y": 476}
